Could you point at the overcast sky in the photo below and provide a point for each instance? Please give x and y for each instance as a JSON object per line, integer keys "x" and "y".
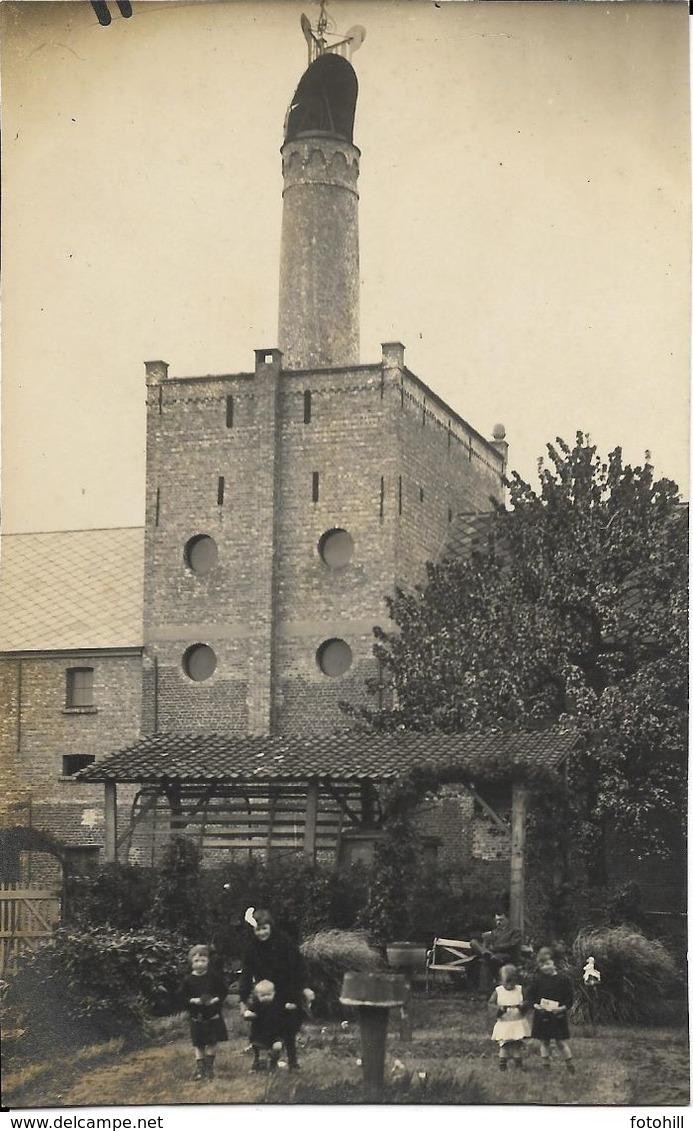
{"x": 524, "y": 222}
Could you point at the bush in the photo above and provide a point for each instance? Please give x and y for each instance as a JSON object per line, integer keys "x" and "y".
{"x": 328, "y": 955}
{"x": 90, "y": 986}
{"x": 178, "y": 903}
{"x": 119, "y": 895}
{"x": 637, "y": 974}
{"x": 412, "y": 900}
{"x": 302, "y": 897}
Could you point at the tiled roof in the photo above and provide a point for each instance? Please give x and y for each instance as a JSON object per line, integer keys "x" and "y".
{"x": 346, "y": 756}
{"x": 75, "y": 589}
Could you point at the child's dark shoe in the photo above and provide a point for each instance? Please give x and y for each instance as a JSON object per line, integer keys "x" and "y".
{"x": 199, "y": 1073}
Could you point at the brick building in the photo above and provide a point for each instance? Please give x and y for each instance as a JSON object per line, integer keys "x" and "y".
{"x": 70, "y": 676}
{"x": 282, "y": 505}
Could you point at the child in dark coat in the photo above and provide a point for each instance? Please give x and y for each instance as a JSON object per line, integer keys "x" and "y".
{"x": 267, "y": 1024}
{"x": 203, "y": 993}
{"x": 551, "y": 996}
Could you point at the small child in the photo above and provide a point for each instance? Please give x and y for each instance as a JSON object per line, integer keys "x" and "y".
{"x": 508, "y": 1007}
{"x": 204, "y": 992}
{"x": 551, "y": 996}
{"x": 267, "y": 1023}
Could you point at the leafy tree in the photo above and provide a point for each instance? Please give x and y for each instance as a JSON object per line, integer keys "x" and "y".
{"x": 576, "y": 609}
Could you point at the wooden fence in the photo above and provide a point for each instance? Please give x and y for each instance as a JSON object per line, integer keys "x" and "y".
{"x": 28, "y": 917}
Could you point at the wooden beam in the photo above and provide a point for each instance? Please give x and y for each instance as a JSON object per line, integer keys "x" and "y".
{"x": 137, "y": 815}
{"x": 309, "y": 836}
{"x": 111, "y": 818}
{"x": 517, "y": 856}
{"x": 487, "y": 809}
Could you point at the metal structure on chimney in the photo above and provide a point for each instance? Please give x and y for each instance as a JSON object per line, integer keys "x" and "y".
{"x": 317, "y": 39}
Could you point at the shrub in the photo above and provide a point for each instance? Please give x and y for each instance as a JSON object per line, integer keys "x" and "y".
{"x": 303, "y": 898}
{"x": 637, "y": 974}
{"x": 178, "y": 903}
{"x": 328, "y": 955}
{"x": 89, "y": 986}
{"x": 118, "y": 895}
{"x": 412, "y": 900}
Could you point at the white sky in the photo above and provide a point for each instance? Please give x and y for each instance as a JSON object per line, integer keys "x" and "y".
{"x": 524, "y": 221}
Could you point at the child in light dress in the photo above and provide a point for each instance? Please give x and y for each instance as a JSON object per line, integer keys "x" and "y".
{"x": 508, "y": 1006}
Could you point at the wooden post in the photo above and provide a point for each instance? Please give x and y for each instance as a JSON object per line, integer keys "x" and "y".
{"x": 517, "y": 856}
{"x": 111, "y": 816}
{"x": 310, "y": 835}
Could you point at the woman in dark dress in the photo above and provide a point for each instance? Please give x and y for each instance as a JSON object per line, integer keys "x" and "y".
{"x": 550, "y": 993}
{"x": 274, "y": 957}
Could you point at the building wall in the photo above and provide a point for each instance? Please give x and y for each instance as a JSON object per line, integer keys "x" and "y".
{"x": 37, "y": 730}
{"x": 190, "y": 447}
{"x": 305, "y": 453}
{"x": 350, "y": 446}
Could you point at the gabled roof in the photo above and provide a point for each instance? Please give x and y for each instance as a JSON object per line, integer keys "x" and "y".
{"x": 74, "y": 589}
{"x": 349, "y": 756}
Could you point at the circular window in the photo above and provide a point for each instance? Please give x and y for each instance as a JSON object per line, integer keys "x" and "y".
{"x": 201, "y": 553}
{"x": 334, "y": 657}
{"x": 199, "y": 662}
{"x": 336, "y": 548}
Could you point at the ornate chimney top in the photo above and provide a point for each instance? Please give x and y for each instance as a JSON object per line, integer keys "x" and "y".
{"x": 317, "y": 39}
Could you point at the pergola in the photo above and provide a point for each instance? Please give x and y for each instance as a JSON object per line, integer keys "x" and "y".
{"x": 307, "y": 792}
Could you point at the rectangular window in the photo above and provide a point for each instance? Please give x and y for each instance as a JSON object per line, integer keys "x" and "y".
{"x": 74, "y": 762}
{"x": 220, "y": 490}
{"x": 229, "y": 411}
{"x": 80, "y": 687}
{"x": 83, "y": 861}
{"x": 316, "y": 486}
{"x": 307, "y": 407}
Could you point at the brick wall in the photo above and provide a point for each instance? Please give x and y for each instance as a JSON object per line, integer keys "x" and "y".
{"x": 38, "y": 729}
{"x": 271, "y": 601}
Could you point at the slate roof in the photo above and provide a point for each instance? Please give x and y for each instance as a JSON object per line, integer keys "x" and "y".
{"x": 74, "y": 589}
{"x": 341, "y": 757}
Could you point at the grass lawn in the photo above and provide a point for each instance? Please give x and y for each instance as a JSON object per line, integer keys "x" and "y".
{"x": 450, "y": 1043}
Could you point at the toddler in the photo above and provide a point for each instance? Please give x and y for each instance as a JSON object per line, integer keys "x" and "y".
{"x": 511, "y": 1027}
{"x": 267, "y": 1024}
